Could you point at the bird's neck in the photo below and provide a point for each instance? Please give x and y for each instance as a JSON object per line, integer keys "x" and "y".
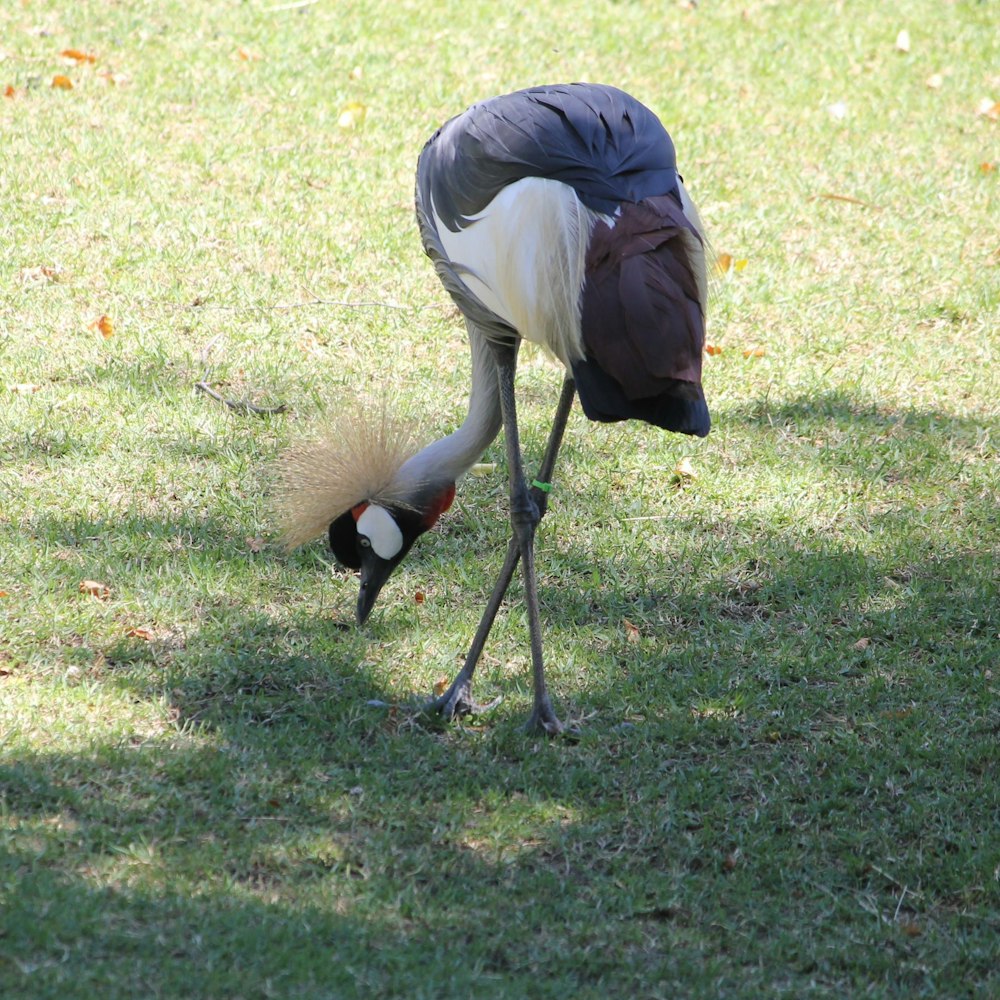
{"x": 444, "y": 461}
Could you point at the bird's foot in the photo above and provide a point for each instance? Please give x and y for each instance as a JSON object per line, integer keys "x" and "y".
{"x": 543, "y": 720}
{"x": 458, "y": 701}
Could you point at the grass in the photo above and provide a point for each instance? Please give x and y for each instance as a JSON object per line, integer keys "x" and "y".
{"x": 785, "y": 669}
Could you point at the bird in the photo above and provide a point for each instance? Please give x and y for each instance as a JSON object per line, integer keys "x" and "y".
{"x": 555, "y": 215}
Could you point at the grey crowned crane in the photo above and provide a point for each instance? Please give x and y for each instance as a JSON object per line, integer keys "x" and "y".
{"x": 554, "y": 215}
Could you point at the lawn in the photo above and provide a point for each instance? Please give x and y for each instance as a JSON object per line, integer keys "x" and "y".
{"x": 784, "y": 667}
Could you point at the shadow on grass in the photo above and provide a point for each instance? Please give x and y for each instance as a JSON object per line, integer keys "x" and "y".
{"x": 856, "y": 428}
{"x": 772, "y": 774}
{"x": 260, "y": 860}
{"x": 849, "y": 411}
{"x": 251, "y": 908}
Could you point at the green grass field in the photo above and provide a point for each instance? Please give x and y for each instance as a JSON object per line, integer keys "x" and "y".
{"x": 784, "y": 670}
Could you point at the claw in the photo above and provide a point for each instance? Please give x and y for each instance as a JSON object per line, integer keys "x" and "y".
{"x": 458, "y": 701}
{"x": 543, "y": 720}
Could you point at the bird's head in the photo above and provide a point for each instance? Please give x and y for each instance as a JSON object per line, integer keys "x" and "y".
{"x": 353, "y": 482}
{"x": 374, "y": 538}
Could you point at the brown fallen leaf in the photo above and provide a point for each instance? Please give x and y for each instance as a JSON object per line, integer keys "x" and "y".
{"x": 255, "y": 544}
{"x": 896, "y": 714}
{"x": 10, "y": 90}
{"x": 104, "y": 326}
{"x": 862, "y": 644}
{"x": 247, "y": 55}
{"x": 987, "y": 167}
{"x": 61, "y": 82}
{"x": 725, "y": 262}
{"x": 631, "y": 631}
{"x": 95, "y": 589}
{"x": 754, "y": 352}
{"x": 419, "y": 597}
{"x": 77, "y": 56}
{"x": 440, "y": 686}
{"x": 4, "y": 593}
{"x": 140, "y": 633}
{"x": 713, "y": 349}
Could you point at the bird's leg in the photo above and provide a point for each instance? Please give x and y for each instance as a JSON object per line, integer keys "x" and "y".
{"x": 457, "y": 700}
{"x": 540, "y": 493}
{"x": 525, "y": 514}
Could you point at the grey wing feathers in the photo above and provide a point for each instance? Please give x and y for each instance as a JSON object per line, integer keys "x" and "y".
{"x": 600, "y": 141}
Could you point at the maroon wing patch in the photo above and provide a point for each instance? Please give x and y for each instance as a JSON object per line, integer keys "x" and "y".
{"x": 642, "y": 317}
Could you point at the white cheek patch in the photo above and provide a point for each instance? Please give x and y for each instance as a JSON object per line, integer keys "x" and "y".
{"x": 378, "y": 526}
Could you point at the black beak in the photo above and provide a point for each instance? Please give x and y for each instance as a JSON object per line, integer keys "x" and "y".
{"x": 374, "y": 573}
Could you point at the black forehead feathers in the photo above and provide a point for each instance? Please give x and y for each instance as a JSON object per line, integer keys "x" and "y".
{"x": 344, "y": 540}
